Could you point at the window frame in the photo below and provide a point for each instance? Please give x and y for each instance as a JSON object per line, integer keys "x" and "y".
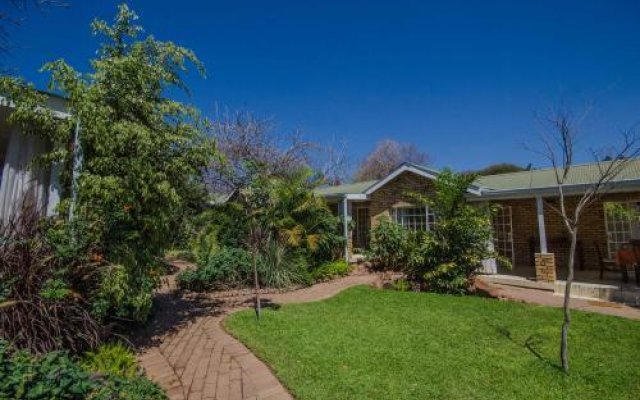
{"x": 622, "y": 231}
{"x": 428, "y": 217}
{"x": 503, "y": 243}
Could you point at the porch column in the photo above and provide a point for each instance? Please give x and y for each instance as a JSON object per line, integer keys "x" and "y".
{"x": 544, "y": 261}
{"x": 345, "y": 212}
{"x": 541, "y": 230}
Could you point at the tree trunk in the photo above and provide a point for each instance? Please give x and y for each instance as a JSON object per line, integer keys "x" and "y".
{"x": 564, "y": 345}
{"x": 256, "y": 285}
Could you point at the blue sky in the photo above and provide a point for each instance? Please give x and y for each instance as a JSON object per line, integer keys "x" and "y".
{"x": 460, "y": 79}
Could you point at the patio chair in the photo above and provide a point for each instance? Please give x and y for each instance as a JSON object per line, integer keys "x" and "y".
{"x": 635, "y": 245}
{"x": 609, "y": 264}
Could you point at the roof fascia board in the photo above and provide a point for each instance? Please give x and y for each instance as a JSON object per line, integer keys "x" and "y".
{"x": 473, "y": 189}
{"x": 614, "y": 187}
{"x": 401, "y": 169}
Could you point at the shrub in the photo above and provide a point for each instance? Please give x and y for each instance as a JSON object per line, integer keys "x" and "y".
{"x": 138, "y": 388}
{"x": 56, "y": 375}
{"x": 446, "y": 259}
{"x": 228, "y": 268}
{"x": 41, "y": 298}
{"x": 390, "y": 246}
{"x": 278, "y": 267}
{"x": 282, "y": 267}
{"x": 111, "y": 359}
{"x": 123, "y": 294}
{"x": 401, "y": 285}
{"x": 331, "y": 270}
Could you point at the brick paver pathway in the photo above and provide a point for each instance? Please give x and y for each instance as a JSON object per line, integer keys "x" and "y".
{"x": 186, "y": 350}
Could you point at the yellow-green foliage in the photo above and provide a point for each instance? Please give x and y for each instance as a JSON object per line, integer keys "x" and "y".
{"x": 112, "y": 359}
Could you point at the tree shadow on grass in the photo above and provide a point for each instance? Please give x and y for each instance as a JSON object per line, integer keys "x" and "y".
{"x": 532, "y": 344}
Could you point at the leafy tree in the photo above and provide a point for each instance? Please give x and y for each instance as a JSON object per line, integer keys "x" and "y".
{"x": 446, "y": 258}
{"x": 301, "y": 219}
{"x": 387, "y": 155}
{"x": 285, "y": 212}
{"x": 142, "y": 152}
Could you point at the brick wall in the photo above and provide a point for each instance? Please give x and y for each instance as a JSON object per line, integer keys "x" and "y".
{"x": 524, "y": 221}
{"x": 592, "y": 229}
{"x": 396, "y": 193}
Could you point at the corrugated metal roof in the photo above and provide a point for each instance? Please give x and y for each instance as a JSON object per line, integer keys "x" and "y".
{"x": 513, "y": 181}
{"x": 543, "y": 178}
{"x": 348, "y": 188}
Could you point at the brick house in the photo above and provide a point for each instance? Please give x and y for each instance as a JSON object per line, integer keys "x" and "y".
{"x": 526, "y": 224}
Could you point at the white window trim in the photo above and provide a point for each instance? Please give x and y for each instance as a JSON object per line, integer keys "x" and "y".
{"x": 510, "y": 234}
{"x": 427, "y": 224}
{"x": 626, "y": 234}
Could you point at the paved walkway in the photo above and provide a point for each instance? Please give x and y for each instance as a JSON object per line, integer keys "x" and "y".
{"x": 186, "y": 350}
{"x": 547, "y": 298}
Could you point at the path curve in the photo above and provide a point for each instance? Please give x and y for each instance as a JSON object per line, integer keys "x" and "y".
{"x": 187, "y": 352}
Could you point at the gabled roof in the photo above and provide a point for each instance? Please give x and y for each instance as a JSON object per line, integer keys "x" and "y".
{"x": 513, "y": 184}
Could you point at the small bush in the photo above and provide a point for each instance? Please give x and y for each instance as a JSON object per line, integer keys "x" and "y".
{"x": 331, "y": 270}
{"x": 390, "y": 246}
{"x": 56, "y": 375}
{"x": 112, "y": 359}
{"x": 282, "y": 267}
{"x": 228, "y": 268}
{"x": 123, "y": 294}
{"x": 401, "y": 285}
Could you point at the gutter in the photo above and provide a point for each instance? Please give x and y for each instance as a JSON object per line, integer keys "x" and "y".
{"x": 551, "y": 191}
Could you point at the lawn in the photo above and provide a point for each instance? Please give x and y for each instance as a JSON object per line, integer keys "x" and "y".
{"x": 367, "y": 343}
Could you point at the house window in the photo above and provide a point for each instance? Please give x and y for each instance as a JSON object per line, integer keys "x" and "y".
{"x": 621, "y": 228}
{"x": 414, "y": 218}
{"x": 503, "y": 233}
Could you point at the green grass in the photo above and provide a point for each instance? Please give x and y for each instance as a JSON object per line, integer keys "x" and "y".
{"x": 375, "y": 344}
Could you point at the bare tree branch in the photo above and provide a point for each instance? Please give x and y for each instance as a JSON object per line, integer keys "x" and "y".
{"x": 333, "y": 162}
{"x": 13, "y": 13}
{"x": 387, "y": 155}
{"x": 245, "y": 139}
{"x": 559, "y": 146}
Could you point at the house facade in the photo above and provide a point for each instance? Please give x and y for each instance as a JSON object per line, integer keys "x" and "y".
{"x": 525, "y": 225}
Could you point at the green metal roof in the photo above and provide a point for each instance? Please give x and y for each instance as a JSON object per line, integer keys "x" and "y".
{"x": 348, "y": 188}
{"x": 513, "y": 181}
{"x": 545, "y": 178}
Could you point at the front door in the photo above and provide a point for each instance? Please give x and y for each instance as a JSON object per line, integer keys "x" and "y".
{"x": 361, "y": 229}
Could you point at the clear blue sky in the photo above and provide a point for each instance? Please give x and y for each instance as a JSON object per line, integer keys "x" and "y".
{"x": 461, "y": 80}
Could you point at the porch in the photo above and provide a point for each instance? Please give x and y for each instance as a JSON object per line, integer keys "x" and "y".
{"x": 587, "y": 285}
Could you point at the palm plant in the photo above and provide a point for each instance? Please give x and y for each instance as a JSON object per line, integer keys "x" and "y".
{"x": 300, "y": 219}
